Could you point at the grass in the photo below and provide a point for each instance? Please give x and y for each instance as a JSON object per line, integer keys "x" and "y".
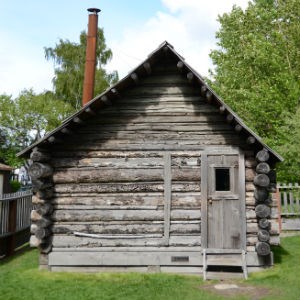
{"x": 21, "y": 279}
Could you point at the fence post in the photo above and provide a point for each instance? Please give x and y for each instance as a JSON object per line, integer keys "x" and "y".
{"x": 12, "y": 224}
{"x": 278, "y": 198}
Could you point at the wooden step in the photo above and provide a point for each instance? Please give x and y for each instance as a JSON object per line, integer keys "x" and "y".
{"x": 224, "y": 260}
{"x": 224, "y": 275}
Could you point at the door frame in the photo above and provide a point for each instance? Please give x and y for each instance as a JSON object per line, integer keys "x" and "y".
{"x": 204, "y": 190}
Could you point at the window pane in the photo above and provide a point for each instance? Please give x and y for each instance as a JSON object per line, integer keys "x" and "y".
{"x": 222, "y": 179}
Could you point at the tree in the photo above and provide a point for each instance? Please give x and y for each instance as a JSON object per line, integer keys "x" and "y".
{"x": 26, "y": 119}
{"x": 69, "y": 59}
{"x": 257, "y": 66}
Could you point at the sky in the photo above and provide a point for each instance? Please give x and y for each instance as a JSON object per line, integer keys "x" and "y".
{"x": 132, "y": 28}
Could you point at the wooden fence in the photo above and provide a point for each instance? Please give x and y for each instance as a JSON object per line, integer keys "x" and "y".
{"x": 15, "y": 212}
{"x": 289, "y": 195}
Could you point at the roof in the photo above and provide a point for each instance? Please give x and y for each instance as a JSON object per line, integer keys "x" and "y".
{"x": 144, "y": 69}
{"x": 4, "y": 167}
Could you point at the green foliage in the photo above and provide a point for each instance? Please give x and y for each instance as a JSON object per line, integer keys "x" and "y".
{"x": 26, "y": 119}
{"x": 15, "y": 185}
{"x": 257, "y": 67}
{"x": 69, "y": 59}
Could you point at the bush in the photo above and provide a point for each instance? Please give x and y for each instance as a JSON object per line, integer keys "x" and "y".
{"x": 15, "y": 185}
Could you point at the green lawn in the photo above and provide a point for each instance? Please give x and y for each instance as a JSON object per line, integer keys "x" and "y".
{"x": 21, "y": 279}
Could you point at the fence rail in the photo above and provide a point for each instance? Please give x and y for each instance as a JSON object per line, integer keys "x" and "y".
{"x": 289, "y": 198}
{"x": 14, "y": 218}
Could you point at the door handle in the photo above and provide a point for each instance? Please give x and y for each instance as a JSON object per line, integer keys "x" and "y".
{"x": 210, "y": 201}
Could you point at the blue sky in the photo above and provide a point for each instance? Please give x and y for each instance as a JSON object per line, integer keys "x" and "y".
{"x": 132, "y": 29}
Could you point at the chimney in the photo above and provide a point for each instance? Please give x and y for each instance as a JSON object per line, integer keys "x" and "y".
{"x": 90, "y": 58}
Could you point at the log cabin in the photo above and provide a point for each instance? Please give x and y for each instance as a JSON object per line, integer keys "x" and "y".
{"x": 156, "y": 174}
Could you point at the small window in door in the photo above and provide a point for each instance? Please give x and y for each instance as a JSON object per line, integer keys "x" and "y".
{"x": 222, "y": 176}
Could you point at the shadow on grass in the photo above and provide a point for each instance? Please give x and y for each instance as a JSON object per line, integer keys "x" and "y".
{"x": 279, "y": 252}
{"x": 18, "y": 253}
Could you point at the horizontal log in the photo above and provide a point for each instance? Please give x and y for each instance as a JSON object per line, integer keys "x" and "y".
{"x": 250, "y": 174}
{"x": 251, "y": 140}
{"x": 263, "y": 155}
{"x": 39, "y": 170}
{"x": 261, "y": 194}
{"x": 263, "y": 211}
{"x": 36, "y": 200}
{"x": 250, "y": 162}
{"x": 124, "y": 187}
{"x": 33, "y": 228}
{"x": 263, "y": 248}
{"x": 41, "y": 184}
{"x": 45, "y": 194}
{"x": 123, "y": 175}
{"x": 263, "y": 168}
{"x": 44, "y": 209}
{"x": 263, "y": 235}
{"x": 63, "y": 241}
{"x": 34, "y": 241}
{"x": 264, "y": 223}
{"x": 144, "y": 228}
{"x": 46, "y": 246}
{"x": 261, "y": 180}
{"x": 39, "y": 156}
{"x": 41, "y": 233}
{"x": 107, "y": 215}
{"x": 188, "y": 199}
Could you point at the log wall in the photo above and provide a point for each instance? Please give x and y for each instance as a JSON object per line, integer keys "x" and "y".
{"x": 130, "y": 176}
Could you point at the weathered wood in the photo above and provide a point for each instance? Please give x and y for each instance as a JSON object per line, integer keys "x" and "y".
{"x": 45, "y": 193}
{"x": 135, "y": 78}
{"x": 261, "y": 194}
{"x": 38, "y": 170}
{"x": 229, "y": 118}
{"x": 261, "y": 180}
{"x": 90, "y": 111}
{"x": 264, "y": 223}
{"x": 34, "y": 241}
{"x": 238, "y": 128}
{"x": 33, "y": 228}
{"x": 263, "y": 155}
{"x": 124, "y": 187}
{"x": 147, "y": 67}
{"x": 203, "y": 90}
{"x": 46, "y": 246}
{"x": 263, "y": 235}
{"x": 107, "y": 215}
{"x": 40, "y": 220}
{"x": 209, "y": 96}
{"x": 64, "y": 241}
{"x": 67, "y": 131}
{"x": 77, "y": 120}
{"x": 272, "y": 176}
{"x": 106, "y": 100}
{"x": 36, "y": 200}
{"x": 44, "y": 209}
{"x": 123, "y": 175}
{"x": 262, "y": 211}
{"x": 167, "y": 196}
{"x": 39, "y": 156}
{"x": 180, "y": 65}
{"x": 250, "y": 174}
{"x": 42, "y": 233}
{"x": 263, "y": 168}
{"x": 263, "y": 248}
{"x": 41, "y": 184}
{"x": 190, "y": 77}
{"x": 222, "y": 109}
{"x": 251, "y": 140}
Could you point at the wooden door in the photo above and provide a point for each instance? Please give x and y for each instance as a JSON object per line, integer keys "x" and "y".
{"x": 224, "y": 205}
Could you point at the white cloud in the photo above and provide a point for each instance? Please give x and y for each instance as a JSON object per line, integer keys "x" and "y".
{"x": 22, "y": 66}
{"x": 189, "y": 25}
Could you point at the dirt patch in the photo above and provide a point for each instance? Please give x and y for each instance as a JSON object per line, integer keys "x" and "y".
{"x": 233, "y": 289}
